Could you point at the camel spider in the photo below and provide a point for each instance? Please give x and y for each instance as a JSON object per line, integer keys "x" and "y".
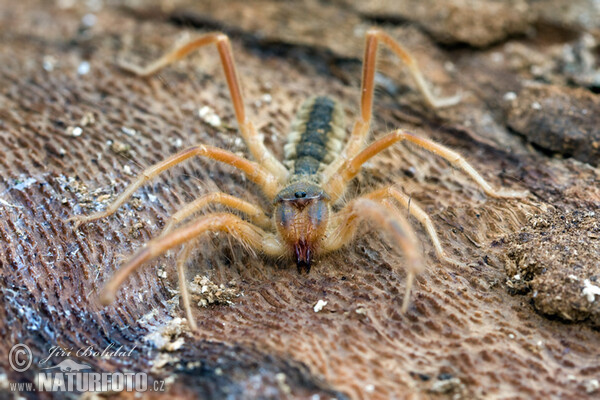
{"x": 303, "y": 189}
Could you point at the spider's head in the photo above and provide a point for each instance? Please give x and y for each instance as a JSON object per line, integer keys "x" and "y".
{"x": 302, "y": 214}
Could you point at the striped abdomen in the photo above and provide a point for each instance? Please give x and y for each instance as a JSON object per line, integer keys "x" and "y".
{"x": 316, "y": 137}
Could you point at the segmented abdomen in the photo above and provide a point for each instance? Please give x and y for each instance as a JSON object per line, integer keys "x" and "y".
{"x": 316, "y": 137}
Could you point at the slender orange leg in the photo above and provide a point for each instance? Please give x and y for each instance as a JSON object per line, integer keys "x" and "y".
{"x": 382, "y": 213}
{"x": 253, "y": 171}
{"x": 251, "y": 236}
{"x": 336, "y": 184}
{"x": 185, "y": 295}
{"x": 257, "y": 215}
{"x": 361, "y": 128}
{"x": 249, "y": 133}
{"x": 413, "y": 208}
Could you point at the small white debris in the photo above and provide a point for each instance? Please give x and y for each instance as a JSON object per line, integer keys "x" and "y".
{"x": 536, "y": 106}
{"x": 266, "y": 98}
{"x": 48, "y": 63}
{"x": 74, "y": 131}
{"x": 537, "y": 70}
{"x": 208, "y": 115}
{"x": 152, "y": 198}
{"x": 590, "y": 291}
{"x": 119, "y": 147}
{"x": 89, "y": 20}
{"x": 7, "y": 204}
{"x": 88, "y": 119}
{"x": 319, "y": 306}
{"x": 509, "y": 96}
{"x": 128, "y": 131}
{"x": 361, "y": 311}
{"x": 168, "y": 337}
{"x": 511, "y": 336}
{"x": 65, "y": 4}
{"x": 283, "y": 386}
{"x": 445, "y": 385}
{"x": 176, "y": 142}
{"x": 517, "y": 277}
{"x": 497, "y": 57}
{"x": 591, "y": 385}
{"x": 205, "y": 292}
{"x": 540, "y": 343}
{"x": 573, "y": 278}
{"x": 83, "y": 68}
{"x": 127, "y": 170}
{"x": 449, "y": 66}
{"x": 370, "y": 388}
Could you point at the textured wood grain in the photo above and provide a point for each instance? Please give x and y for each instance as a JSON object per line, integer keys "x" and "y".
{"x": 469, "y": 333}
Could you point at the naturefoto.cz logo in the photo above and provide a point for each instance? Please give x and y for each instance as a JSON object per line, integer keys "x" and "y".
{"x": 73, "y": 376}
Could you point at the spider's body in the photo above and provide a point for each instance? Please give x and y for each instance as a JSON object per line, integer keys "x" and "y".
{"x": 305, "y": 188}
{"x": 316, "y": 138}
{"x": 301, "y": 216}
{"x": 302, "y": 208}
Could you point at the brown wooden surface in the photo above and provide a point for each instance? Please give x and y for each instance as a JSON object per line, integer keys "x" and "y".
{"x": 512, "y": 323}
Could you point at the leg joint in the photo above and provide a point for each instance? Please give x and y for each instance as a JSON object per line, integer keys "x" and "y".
{"x": 221, "y": 37}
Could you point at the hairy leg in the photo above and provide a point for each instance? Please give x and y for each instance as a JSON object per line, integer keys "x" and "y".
{"x": 361, "y": 127}
{"x": 349, "y": 169}
{"x": 413, "y": 208}
{"x": 251, "y": 236}
{"x": 346, "y": 222}
{"x": 253, "y": 171}
{"x": 257, "y": 215}
{"x": 249, "y": 133}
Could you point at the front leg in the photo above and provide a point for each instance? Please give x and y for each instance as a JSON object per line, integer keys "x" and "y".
{"x": 336, "y": 184}
{"x": 251, "y": 236}
{"x": 346, "y": 222}
{"x": 253, "y": 171}
{"x": 256, "y": 214}
{"x": 360, "y": 131}
{"x": 253, "y": 140}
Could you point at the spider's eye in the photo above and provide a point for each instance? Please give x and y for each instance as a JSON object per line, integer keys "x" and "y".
{"x": 300, "y": 195}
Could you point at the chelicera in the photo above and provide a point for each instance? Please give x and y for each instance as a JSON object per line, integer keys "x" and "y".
{"x": 319, "y": 163}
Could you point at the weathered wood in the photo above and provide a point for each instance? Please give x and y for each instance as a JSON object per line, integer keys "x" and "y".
{"x": 74, "y": 130}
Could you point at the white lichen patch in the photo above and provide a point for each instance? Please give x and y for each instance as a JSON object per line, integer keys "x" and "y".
{"x": 590, "y": 291}
{"x": 205, "y": 292}
{"x": 94, "y": 200}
